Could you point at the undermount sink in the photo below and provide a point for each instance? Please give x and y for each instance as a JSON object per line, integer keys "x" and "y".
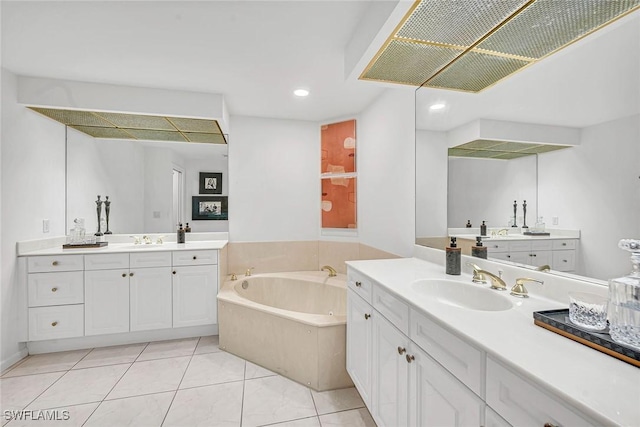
{"x": 462, "y": 295}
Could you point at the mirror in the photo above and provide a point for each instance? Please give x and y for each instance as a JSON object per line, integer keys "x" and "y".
{"x": 150, "y": 184}
{"x": 592, "y": 87}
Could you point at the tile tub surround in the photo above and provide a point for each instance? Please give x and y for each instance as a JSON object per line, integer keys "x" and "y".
{"x": 594, "y": 384}
{"x": 292, "y": 323}
{"x": 212, "y": 388}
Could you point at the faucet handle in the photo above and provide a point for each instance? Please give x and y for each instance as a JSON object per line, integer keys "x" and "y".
{"x": 519, "y": 290}
{"x": 233, "y": 276}
{"x": 159, "y": 240}
{"x": 477, "y": 276}
{"x": 136, "y": 240}
{"x": 248, "y": 272}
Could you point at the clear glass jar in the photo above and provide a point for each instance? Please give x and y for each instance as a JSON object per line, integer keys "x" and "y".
{"x": 624, "y": 300}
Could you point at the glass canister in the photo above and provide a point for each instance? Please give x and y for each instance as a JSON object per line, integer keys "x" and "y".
{"x": 624, "y": 300}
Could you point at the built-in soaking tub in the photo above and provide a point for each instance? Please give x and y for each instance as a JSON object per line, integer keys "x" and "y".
{"x": 290, "y": 323}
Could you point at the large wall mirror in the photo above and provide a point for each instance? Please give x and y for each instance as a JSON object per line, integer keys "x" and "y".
{"x": 150, "y": 184}
{"x": 591, "y": 89}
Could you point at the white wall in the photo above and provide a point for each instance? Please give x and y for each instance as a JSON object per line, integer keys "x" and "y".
{"x": 274, "y": 172}
{"x": 604, "y": 164}
{"x": 157, "y": 190}
{"x": 431, "y": 183}
{"x": 484, "y": 190}
{"x": 386, "y": 175}
{"x": 32, "y": 190}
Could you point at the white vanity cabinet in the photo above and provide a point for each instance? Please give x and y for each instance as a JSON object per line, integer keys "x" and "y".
{"x": 106, "y": 301}
{"x": 557, "y": 253}
{"x": 359, "y": 343}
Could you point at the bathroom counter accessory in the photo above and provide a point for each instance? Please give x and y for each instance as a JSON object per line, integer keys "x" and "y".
{"x": 84, "y": 245}
{"x": 558, "y": 321}
{"x": 536, "y": 233}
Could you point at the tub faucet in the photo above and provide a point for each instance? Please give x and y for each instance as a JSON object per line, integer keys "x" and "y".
{"x": 496, "y": 281}
{"x": 331, "y": 270}
{"x": 248, "y": 272}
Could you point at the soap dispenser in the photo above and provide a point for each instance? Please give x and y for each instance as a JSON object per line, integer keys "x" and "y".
{"x": 181, "y": 236}
{"x": 469, "y": 224}
{"x": 478, "y": 250}
{"x": 187, "y": 229}
{"x": 483, "y": 229}
{"x": 453, "y": 258}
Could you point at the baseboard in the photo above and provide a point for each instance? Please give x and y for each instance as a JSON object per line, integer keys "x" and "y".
{"x": 79, "y": 343}
{"x": 15, "y": 358}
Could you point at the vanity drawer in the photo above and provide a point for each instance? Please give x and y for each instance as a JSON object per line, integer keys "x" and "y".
{"x": 195, "y": 257}
{"x": 564, "y": 244}
{"x": 360, "y": 284}
{"x": 63, "y": 321}
{"x": 564, "y": 260}
{"x": 394, "y": 309}
{"x": 519, "y": 245}
{"x": 56, "y": 288}
{"x": 497, "y": 246}
{"x": 42, "y": 264}
{"x": 150, "y": 259}
{"x": 106, "y": 261}
{"x": 464, "y": 361}
{"x": 522, "y": 404}
{"x": 541, "y": 245}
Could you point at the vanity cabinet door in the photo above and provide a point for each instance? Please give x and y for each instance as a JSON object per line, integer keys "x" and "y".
{"x": 106, "y": 294}
{"x": 359, "y": 344}
{"x": 194, "y": 295}
{"x": 150, "y": 295}
{"x": 437, "y": 398}
{"x": 389, "y": 393}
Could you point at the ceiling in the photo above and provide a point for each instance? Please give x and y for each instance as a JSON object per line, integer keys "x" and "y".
{"x": 255, "y": 53}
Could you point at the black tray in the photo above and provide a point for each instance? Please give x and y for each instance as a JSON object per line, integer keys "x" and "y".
{"x": 84, "y": 245}
{"x": 558, "y": 321}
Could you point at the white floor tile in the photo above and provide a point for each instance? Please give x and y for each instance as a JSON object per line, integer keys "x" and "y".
{"x": 81, "y": 386}
{"x": 173, "y": 348}
{"x": 50, "y": 362}
{"x": 18, "y": 392}
{"x": 337, "y": 400}
{"x": 353, "y": 418}
{"x": 147, "y": 411}
{"x": 153, "y": 376}
{"x": 69, "y": 416}
{"x": 216, "y": 405}
{"x": 213, "y": 368}
{"x": 305, "y": 422}
{"x": 207, "y": 344}
{"x": 275, "y": 399}
{"x": 111, "y": 356}
{"x": 255, "y": 371}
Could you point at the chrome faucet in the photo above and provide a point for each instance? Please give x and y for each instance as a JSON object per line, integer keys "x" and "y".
{"x": 519, "y": 290}
{"x": 477, "y": 277}
{"x": 331, "y": 270}
{"x": 496, "y": 281}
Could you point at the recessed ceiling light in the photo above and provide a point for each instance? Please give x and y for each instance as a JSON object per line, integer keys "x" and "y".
{"x": 438, "y": 106}
{"x": 301, "y": 92}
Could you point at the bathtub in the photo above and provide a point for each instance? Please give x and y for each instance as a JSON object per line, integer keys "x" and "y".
{"x": 290, "y": 323}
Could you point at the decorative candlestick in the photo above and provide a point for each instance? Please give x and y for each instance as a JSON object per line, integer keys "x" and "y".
{"x": 99, "y": 212}
{"x": 515, "y": 209}
{"x": 107, "y": 208}
{"x": 524, "y": 208}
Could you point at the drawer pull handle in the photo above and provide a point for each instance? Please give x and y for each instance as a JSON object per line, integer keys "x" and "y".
{"x": 564, "y": 244}
{"x": 358, "y": 284}
{"x": 564, "y": 260}
{"x": 173, "y": 272}
{"x": 410, "y": 358}
{"x": 401, "y": 350}
{"x": 54, "y": 324}
{"x": 496, "y": 246}
{"x": 54, "y": 289}
{"x": 130, "y": 274}
{"x": 367, "y": 316}
{"x": 194, "y": 257}
{"x": 124, "y": 274}
{"x": 54, "y": 263}
{"x": 534, "y": 254}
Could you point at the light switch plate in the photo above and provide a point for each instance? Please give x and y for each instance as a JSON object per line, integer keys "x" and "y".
{"x": 45, "y": 225}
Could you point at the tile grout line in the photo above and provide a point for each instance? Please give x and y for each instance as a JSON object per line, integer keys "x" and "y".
{"x": 181, "y": 379}
{"x": 244, "y": 383}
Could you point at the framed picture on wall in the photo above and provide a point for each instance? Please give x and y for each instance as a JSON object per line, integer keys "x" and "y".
{"x": 209, "y": 207}
{"x": 210, "y": 182}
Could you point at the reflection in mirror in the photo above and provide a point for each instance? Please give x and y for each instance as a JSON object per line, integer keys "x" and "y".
{"x": 590, "y": 89}
{"x": 149, "y": 184}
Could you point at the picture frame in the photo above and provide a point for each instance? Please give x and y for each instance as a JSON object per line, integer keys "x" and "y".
{"x": 210, "y": 182}
{"x": 209, "y": 208}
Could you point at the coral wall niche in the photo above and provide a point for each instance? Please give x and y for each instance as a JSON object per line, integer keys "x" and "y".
{"x": 338, "y": 174}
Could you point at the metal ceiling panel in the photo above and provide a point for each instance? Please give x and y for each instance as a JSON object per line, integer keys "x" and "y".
{"x": 137, "y": 121}
{"x": 156, "y": 135}
{"x": 195, "y": 125}
{"x": 72, "y": 117}
{"x": 102, "y": 132}
{"x": 209, "y": 138}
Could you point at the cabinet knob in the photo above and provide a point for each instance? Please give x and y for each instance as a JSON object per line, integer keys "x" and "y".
{"x": 367, "y": 316}
{"x": 54, "y": 289}
{"x": 401, "y": 350}
{"x": 564, "y": 244}
{"x": 54, "y": 263}
{"x": 194, "y": 257}
{"x": 173, "y": 272}
{"x": 124, "y": 274}
{"x": 410, "y": 358}
{"x": 534, "y": 255}
{"x": 358, "y": 284}
{"x": 508, "y": 256}
{"x": 130, "y": 274}
{"x": 564, "y": 260}
{"x": 54, "y": 323}
{"x": 496, "y": 246}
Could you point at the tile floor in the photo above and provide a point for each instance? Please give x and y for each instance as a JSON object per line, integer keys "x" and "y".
{"x": 188, "y": 382}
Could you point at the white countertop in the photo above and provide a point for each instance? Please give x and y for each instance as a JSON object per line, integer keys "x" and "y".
{"x": 602, "y": 387}
{"x": 129, "y": 247}
{"x": 510, "y": 237}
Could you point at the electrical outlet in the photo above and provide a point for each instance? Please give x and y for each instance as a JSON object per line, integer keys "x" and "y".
{"x": 45, "y": 225}
{"x": 554, "y": 220}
